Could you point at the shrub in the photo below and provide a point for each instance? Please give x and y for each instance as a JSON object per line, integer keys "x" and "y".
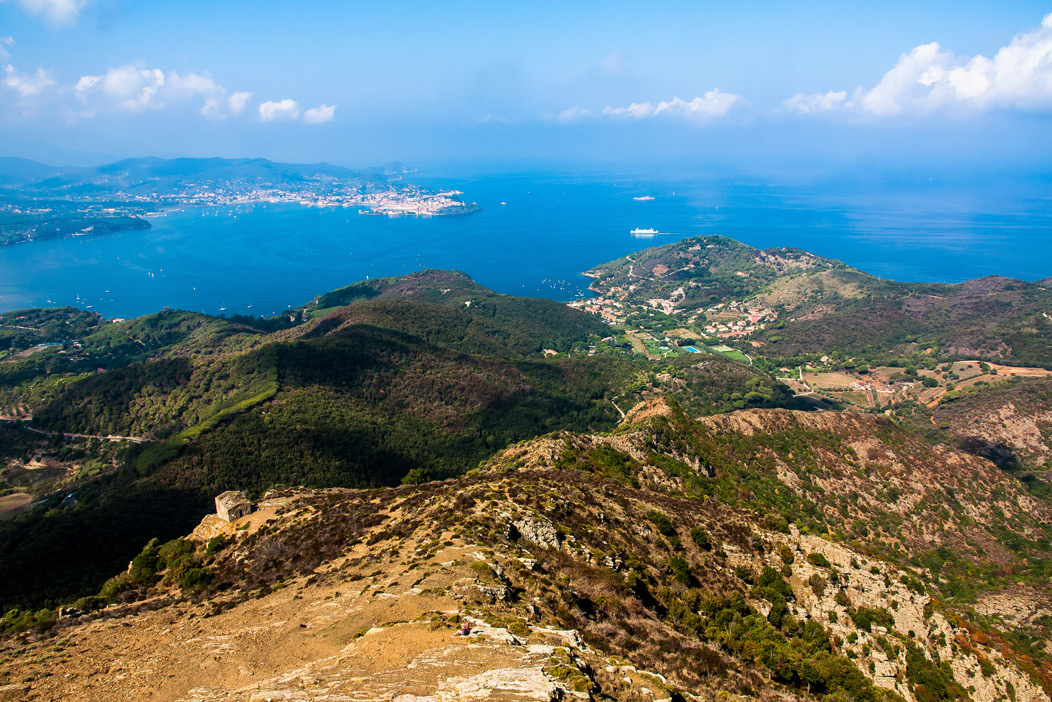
{"x": 194, "y": 578}
{"x": 418, "y": 476}
{"x": 818, "y": 560}
{"x": 701, "y": 539}
{"x": 661, "y": 522}
{"x": 776, "y": 522}
{"x": 216, "y": 544}
{"x": 818, "y": 584}
{"x": 680, "y": 570}
{"x": 482, "y": 570}
{"x": 786, "y": 554}
{"x": 866, "y": 617}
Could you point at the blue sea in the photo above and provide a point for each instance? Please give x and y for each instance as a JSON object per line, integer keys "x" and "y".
{"x": 535, "y": 234}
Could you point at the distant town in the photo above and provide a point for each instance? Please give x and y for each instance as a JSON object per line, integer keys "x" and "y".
{"x": 101, "y": 201}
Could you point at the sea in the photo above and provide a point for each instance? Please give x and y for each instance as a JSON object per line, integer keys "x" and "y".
{"x": 535, "y": 234}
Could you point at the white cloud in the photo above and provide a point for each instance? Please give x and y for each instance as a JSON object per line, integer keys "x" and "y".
{"x": 57, "y": 11}
{"x": 270, "y": 110}
{"x": 27, "y": 85}
{"x": 806, "y": 104}
{"x": 573, "y": 114}
{"x": 237, "y": 101}
{"x": 636, "y": 109}
{"x": 320, "y": 114}
{"x": 138, "y": 89}
{"x": 928, "y": 79}
{"x": 712, "y": 105}
{"x": 124, "y": 87}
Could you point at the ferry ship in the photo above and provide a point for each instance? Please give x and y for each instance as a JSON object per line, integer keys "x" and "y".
{"x": 643, "y": 232}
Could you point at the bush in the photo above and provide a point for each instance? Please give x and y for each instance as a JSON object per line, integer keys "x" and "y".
{"x": 701, "y": 539}
{"x": 217, "y": 544}
{"x": 818, "y": 584}
{"x": 482, "y": 570}
{"x": 771, "y": 581}
{"x": 418, "y": 476}
{"x": 776, "y": 522}
{"x": 195, "y": 578}
{"x": 661, "y": 522}
{"x": 818, "y": 560}
{"x": 866, "y": 617}
{"x": 786, "y": 554}
{"x": 680, "y": 570}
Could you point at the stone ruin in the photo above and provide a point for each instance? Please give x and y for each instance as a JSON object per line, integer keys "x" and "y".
{"x": 232, "y": 505}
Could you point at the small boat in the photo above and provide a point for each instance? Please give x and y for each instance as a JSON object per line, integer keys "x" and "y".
{"x": 645, "y": 198}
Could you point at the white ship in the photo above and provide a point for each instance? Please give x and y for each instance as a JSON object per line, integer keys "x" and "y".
{"x": 645, "y": 198}
{"x": 643, "y": 232}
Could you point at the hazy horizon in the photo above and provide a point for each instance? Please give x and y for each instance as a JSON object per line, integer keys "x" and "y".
{"x": 755, "y": 88}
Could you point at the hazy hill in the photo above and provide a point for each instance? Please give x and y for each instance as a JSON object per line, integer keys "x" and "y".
{"x": 18, "y": 171}
{"x": 159, "y": 176}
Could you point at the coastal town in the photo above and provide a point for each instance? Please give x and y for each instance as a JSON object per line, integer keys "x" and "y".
{"x": 102, "y": 201}
{"x": 402, "y": 200}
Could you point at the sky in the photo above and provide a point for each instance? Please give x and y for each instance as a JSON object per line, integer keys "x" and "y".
{"x": 793, "y": 87}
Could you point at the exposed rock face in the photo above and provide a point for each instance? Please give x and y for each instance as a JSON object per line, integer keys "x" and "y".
{"x": 1013, "y": 420}
{"x": 539, "y": 532}
{"x": 212, "y": 526}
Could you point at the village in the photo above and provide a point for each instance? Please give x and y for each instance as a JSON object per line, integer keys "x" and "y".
{"x": 394, "y": 201}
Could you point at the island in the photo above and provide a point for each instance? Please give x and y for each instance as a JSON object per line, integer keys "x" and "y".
{"x": 44, "y": 202}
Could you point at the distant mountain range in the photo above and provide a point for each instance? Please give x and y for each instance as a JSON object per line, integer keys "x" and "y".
{"x": 48, "y": 202}
{"x": 157, "y": 175}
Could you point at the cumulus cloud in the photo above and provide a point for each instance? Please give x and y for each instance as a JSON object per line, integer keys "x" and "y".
{"x": 271, "y": 111}
{"x": 56, "y": 11}
{"x": 712, "y": 105}
{"x": 237, "y": 101}
{"x": 929, "y": 78}
{"x": 27, "y": 85}
{"x": 320, "y": 114}
{"x": 806, "y": 104}
{"x": 137, "y": 89}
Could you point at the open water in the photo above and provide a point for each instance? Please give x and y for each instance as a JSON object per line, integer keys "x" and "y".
{"x": 265, "y": 258}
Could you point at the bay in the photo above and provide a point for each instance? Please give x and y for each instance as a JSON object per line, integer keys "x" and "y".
{"x": 535, "y": 234}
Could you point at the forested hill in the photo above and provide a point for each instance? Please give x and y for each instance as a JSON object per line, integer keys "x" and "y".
{"x": 422, "y": 376}
{"x": 816, "y": 305}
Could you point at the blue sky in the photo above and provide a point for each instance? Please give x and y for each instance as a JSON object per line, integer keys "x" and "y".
{"x": 760, "y": 85}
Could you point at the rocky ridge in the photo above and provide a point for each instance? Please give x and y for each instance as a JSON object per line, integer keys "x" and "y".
{"x": 582, "y": 565}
